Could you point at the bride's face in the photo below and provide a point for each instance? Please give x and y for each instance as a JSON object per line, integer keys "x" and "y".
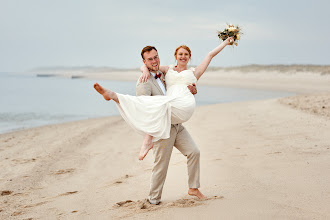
{"x": 182, "y": 57}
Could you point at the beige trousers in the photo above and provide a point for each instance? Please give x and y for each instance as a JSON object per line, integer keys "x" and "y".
{"x": 162, "y": 150}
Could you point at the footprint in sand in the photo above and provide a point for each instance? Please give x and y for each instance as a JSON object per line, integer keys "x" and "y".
{"x": 132, "y": 205}
{"x": 36, "y": 204}
{"x": 144, "y": 205}
{"x": 121, "y": 180}
{"x": 60, "y": 172}
{"x": 68, "y": 193}
{"x": 190, "y": 202}
{"x": 19, "y": 194}
{"x": 17, "y": 213}
{"x": 24, "y": 161}
{"x": 6, "y": 192}
{"x": 123, "y": 202}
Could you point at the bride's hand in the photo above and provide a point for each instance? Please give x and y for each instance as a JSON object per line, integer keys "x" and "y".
{"x": 145, "y": 74}
{"x": 229, "y": 41}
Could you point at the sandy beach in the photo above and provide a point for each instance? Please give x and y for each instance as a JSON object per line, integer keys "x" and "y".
{"x": 266, "y": 159}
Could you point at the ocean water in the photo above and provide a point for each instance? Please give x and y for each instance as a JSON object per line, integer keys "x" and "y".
{"x": 28, "y": 101}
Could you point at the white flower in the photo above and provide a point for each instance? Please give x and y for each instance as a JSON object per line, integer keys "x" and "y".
{"x": 232, "y": 29}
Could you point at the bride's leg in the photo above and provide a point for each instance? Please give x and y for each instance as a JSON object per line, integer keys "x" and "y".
{"x": 106, "y": 93}
{"x": 146, "y": 146}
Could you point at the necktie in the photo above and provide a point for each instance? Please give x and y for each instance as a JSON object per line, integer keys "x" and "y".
{"x": 157, "y": 75}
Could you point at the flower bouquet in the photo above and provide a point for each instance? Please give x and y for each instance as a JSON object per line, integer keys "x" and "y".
{"x": 230, "y": 31}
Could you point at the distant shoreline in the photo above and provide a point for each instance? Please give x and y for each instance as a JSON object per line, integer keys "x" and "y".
{"x": 290, "y": 78}
{"x": 324, "y": 69}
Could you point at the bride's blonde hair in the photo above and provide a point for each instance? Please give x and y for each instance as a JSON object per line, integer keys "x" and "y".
{"x": 184, "y": 47}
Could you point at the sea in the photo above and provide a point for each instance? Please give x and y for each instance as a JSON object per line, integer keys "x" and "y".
{"x": 28, "y": 101}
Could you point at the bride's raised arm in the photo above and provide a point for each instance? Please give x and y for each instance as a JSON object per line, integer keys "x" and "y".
{"x": 145, "y": 72}
{"x": 200, "y": 69}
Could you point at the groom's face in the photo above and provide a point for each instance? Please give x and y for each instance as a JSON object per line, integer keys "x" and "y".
{"x": 151, "y": 60}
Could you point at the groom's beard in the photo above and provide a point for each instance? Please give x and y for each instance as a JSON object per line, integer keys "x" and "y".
{"x": 154, "y": 68}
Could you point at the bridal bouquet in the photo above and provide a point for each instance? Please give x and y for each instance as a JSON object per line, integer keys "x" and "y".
{"x": 230, "y": 31}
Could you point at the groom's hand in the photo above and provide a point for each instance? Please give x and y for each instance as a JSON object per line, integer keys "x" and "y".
{"x": 192, "y": 88}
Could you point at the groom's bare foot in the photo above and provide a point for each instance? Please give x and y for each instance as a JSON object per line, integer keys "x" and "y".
{"x": 105, "y": 93}
{"x": 145, "y": 149}
{"x": 196, "y": 192}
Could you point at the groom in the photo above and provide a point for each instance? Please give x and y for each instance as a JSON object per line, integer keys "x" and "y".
{"x": 179, "y": 136}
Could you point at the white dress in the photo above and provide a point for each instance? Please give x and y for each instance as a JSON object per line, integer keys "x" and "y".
{"x": 154, "y": 115}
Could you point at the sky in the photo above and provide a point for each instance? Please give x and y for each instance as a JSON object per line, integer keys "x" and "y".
{"x": 107, "y": 33}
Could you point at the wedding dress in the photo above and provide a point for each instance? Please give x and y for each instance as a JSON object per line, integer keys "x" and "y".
{"x": 154, "y": 115}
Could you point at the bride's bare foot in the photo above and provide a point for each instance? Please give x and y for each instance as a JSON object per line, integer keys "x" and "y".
{"x": 102, "y": 91}
{"x": 196, "y": 192}
{"x": 146, "y": 146}
{"x": 107, "y": 94}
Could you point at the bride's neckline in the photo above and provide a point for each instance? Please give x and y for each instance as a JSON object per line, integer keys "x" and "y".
{"x": 177, "y": 71}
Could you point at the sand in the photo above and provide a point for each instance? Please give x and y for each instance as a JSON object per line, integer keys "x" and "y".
{"x": 264, "y": 159}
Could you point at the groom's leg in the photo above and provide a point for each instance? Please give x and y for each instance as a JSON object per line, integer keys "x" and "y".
{"x": 186, "y": 145}
{"x": 162, "y": 151}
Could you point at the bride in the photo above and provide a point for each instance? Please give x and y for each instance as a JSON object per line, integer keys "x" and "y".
{"x": 152, "y": 116}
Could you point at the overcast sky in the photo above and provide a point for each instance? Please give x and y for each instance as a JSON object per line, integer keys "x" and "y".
{"x": 40, "y": 33}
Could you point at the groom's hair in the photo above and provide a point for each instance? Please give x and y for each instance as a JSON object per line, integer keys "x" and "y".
{"x": 147, "y": 49}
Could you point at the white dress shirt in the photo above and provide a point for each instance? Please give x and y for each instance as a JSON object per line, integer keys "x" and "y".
{"x": 161, "y": 85}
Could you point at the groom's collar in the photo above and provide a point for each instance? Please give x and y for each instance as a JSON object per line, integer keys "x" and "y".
{"x": 154, "y": 74}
